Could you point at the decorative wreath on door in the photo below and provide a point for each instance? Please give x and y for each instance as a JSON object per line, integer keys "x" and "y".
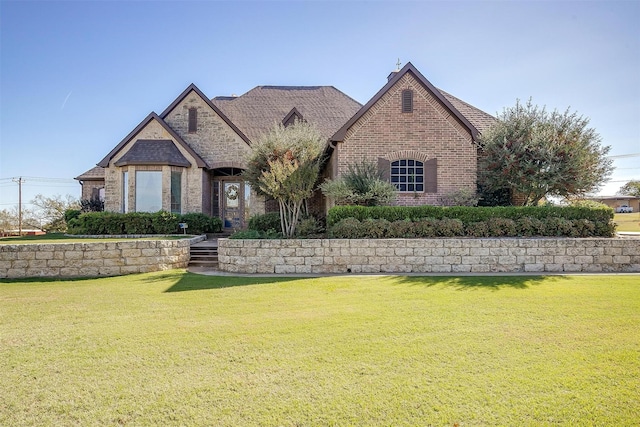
{"x": 232, "y": 192}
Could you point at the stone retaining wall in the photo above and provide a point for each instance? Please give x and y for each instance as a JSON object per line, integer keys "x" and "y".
{"x": 94, "y": 258}
{"x": 621, "y": 254}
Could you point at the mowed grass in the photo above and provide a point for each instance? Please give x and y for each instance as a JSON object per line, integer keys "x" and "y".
{"x": 627, "y": 221}
{"x": 175, "y": 348}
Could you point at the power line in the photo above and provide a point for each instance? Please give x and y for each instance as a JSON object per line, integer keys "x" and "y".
{"x": 624, "y": 156}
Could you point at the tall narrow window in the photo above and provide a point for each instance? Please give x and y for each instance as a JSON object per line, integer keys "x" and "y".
{"x": 193, "y": 120}
{"x": 148, "y": 191}
{"x": 407, "y": 101}
{"x": 176, "y": 192}
{"x": 125, "y": 192}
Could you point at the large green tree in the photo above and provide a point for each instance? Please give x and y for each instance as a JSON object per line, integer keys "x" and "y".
{"x": 534, "y": 153}
{"x": 284, "y": 164}
{"x": 631, "y": 188}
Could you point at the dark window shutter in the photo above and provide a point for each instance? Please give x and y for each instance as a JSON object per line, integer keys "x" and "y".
{"x": 384, "y": 168}
{"x": 193, "y": 120}
{"x": 431, "y": 176}
{"x": 215, "y": 199}
{"x": 407, "y": 101}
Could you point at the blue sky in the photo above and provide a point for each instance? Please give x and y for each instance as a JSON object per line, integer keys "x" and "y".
{"x": 76, "y": 77}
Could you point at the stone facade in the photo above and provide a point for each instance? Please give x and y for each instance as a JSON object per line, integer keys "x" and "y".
{"x": 93, "y": 259}
{"x": 534, "y": 255}
{"x": 429, "y": 132}
{"x": 192, "y": 177}
{"x": 214, "y": 140}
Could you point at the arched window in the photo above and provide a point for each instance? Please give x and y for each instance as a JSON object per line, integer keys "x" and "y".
{"x": 408, "y": 175}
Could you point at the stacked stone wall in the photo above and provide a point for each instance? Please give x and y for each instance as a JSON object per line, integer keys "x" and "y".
{"x": 541, "y": 255}
{"x": 93, "y": 259}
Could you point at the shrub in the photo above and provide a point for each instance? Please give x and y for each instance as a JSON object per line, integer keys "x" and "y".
{"x": 137, "y": 223}
{"x": 71, "y": 214}
{"x": 528, "y": 227}
{"x": 362, "y": 184}
{"x": 374, "y": 228}
{"x": 499, "y": 227}
{"x": 460, "y": 197}
{"x": 255, "y": 234}
{"x": 199, "y": 223}
{"x": 401, "y": 229}
{"x": 309, "y": 227}
{"x": 601, "y": 217}
{"x": 348, "y": 228}
{"x": 264, "y": 222}
{"x": 164, "y": 222}
{"x": 426, "y": 227}
{"x": 450, "y": 227}
{"x": 477, "y": 229}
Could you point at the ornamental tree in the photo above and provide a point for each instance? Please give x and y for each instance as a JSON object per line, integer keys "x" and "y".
{"x": 284, "y": 164}
{"x": 631, "y": 188}
{"x": 534, "y": 153}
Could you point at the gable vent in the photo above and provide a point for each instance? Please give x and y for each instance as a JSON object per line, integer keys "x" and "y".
{"x": 407, "y": 101}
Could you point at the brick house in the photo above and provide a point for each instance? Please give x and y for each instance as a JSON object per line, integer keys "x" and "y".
{"x": 190, "y": 157}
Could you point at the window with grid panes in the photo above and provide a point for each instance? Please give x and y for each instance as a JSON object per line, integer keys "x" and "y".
{"x": 408, "y": 175}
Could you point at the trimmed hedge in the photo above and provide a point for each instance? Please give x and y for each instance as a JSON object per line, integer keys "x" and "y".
{"x": 265, "y": 222}
{"x": 533, "y": 220}
{"x": 352, "y": 228}
{"x": 99, "y": 223}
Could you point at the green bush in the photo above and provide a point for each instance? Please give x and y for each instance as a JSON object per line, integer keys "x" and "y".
{"x": 138, "y": 223}
{"x": 101, "y": 223}
{"x": 348, "y": 228}
{"x": 265, "y": 222}
{"x": 527, "y": 220}
{"x": 309, "y": 227}
{"x": 374, "y": 228}
{"x": 256, "y": 234}
{"x": 164, "y": 222}
{"x": 71, "y": 214}
{"x": 199, "y": 223}
{"x": 528, "y": 227}
{"x": 352, "y": 228}
{"x": 477, "y": 229}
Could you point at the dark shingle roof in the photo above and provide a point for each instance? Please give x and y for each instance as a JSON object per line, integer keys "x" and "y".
{"x": 258, "y": 110}
{"x": 153, "y": 152}
{"x": 93, "y": 174}
{"x": 478, "y": 118}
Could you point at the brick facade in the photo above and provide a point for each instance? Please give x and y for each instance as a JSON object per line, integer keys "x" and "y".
{"x": 213, "y": 135}
{"x": 429, "y": 132}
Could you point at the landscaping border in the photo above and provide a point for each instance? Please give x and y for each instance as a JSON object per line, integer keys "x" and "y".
{"x": 439, "y": 255}
{"x": 93, "y": 259}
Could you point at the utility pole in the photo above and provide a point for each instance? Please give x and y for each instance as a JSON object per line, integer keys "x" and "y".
{"x": 19, "y": 181}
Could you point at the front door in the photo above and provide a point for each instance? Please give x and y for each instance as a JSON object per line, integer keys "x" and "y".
{"x": 232, "y": 209}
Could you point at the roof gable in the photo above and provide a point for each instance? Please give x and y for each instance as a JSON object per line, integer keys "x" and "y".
{"x": 194, "y": 88}
{"x": 258, "y": 110}
{"x": 393, "y": 79}
{"x": 153, "y": 152}
{"x": 96, "y": 173}
{"x": 151, "y": 117}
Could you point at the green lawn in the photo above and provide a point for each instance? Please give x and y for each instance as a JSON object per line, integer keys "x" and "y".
{"x": 627, "y": 221}
{"x": 61, "y": 238}
{"x": 173, "y": 348}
